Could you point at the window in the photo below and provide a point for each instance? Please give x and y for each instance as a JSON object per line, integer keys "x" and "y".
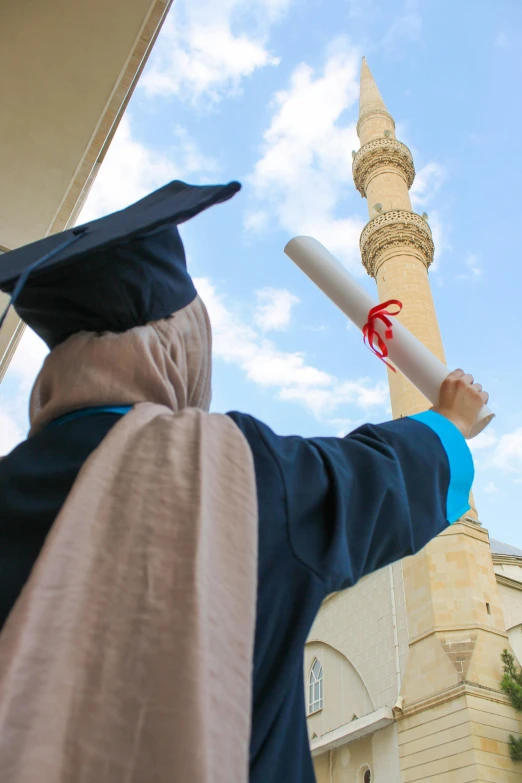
{"x": 365, "y": 774}
{"x": 315, "y": 689}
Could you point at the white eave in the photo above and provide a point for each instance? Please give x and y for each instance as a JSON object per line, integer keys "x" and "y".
{"x": 354, "y": 730}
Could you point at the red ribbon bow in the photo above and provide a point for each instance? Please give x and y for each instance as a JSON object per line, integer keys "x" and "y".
{"x": 372, "y": 338}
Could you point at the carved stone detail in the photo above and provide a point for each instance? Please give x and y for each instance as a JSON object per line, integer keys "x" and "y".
{"x": 377, "y": 154}
{"x": 393, "y": 229}
{"x": 460, "y": 648}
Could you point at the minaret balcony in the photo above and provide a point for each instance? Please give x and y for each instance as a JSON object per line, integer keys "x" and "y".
{"x": 390, "y": 232}
{"x": 380, "y": 154}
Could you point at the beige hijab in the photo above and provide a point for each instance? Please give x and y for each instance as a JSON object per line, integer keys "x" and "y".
{"x": 128, "y": 657}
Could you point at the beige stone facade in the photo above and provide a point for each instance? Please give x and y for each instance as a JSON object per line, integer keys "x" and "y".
{"x": 361, "y": 638}
{"x": 67, "y": 71}
{"x": 508, "y": 569}
{"x": 417, "y": 644}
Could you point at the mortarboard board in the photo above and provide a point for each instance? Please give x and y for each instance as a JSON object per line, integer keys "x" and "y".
{"x": 115, "y": 273}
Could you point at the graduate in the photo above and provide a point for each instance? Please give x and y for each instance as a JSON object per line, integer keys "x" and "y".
{"x": 161, "y": 566}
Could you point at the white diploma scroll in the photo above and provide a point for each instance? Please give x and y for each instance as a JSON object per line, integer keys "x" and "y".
{"x": 408, "y": 354}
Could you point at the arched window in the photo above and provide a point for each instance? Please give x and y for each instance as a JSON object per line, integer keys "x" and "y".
{"x": 365, "y": 775}
{"x": 315, "y": 689}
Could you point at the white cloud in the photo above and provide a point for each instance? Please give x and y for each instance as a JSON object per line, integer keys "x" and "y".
{"x": 344, "y": 426}
{"x": 255, "y": 221}
{"x": 440, "y": 238}
{"x": 426, "y": 186}
{"x": 475, "y": 270}
{"x": 274, "y": 308}
{"x": 405, "y": 29}
{"x": 427, "y": 183}
{"x": 325, "y": 400}
{"x": 484, "y": 441}
{"x": 472, "y": 263}
{"x": 16, "y": 388}
{"x": 131, "y": 170}
{"x": 27, "y": 361}
{"x": 361, "y": 9}
{"x": 288, "y": 373}
{"x": 508, "y": 452}
{"x": 206, "y": 48}
{"x": 306, "y": 166}
{"x": 491, "y": 488}
{"x": 189, "y": 157}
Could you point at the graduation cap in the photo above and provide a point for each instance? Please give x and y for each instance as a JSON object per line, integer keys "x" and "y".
{"x": 115, "y": 273}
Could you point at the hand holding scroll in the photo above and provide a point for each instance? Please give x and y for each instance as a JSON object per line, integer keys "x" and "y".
{"x": 461, "y": 400}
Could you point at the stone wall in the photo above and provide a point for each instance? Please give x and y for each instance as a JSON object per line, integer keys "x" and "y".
{"x": 346, "y": 764}
{"x": 511, "y": 602}
{"x": 460, "y": 738}
{"x": 359, "y": 623}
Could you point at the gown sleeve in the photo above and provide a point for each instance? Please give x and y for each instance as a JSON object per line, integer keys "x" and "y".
{"x": 356, "y": 504}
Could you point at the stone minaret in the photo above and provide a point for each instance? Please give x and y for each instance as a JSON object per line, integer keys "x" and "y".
{"x": 453, "y": 722}
{"x": 396, "y": 244}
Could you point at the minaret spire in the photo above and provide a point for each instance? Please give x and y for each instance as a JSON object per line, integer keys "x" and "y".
{"x": 374, "y": 117}
{"x": 369, "y": 97}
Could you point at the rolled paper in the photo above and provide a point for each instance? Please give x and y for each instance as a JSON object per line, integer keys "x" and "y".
{"x": 408, "y": 354}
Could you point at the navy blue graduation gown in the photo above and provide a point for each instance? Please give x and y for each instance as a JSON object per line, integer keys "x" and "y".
{"x": 330, "y": 511}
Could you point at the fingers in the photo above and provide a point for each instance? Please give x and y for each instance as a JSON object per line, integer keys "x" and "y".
{"x": 456, "y": 374}
{"x": 463, "y": 377}
{"x": 477, "y": 387}
{"x": 460, "y": 375}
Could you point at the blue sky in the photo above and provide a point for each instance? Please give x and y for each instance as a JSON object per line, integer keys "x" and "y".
{"x": 266, "y": 91}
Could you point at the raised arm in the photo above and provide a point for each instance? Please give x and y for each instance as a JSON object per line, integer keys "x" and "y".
{"x": 357, "y": 503}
